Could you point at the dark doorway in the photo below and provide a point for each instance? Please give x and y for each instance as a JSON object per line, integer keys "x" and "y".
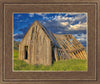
{"x": 53, "y": 55}
{"x": 26, "y": 52}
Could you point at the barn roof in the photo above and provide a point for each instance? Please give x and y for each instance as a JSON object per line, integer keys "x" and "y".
{"x": 49, "y": 34}
{"x": 69, "y": 42}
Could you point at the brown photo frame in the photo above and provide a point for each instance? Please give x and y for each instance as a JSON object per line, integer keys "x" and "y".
{"x": 8, "y": 7}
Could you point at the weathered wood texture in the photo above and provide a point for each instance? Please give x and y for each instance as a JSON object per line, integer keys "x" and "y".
{"x": 71, "y": 48}
{"x": 39, "y": 46}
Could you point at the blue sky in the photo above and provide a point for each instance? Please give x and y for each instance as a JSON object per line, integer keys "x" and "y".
{"x": 59, "y": 23}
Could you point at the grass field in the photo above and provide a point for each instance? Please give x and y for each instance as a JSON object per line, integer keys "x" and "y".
{"x": 63, "y": 65}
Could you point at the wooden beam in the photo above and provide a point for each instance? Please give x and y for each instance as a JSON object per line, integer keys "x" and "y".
{"x": 74, "y": 48}
{"x": 56, "y": 54}
{"x": 67, "y": 44}
{"x": 60, "y": 42}
{"x": 79, "y": 45}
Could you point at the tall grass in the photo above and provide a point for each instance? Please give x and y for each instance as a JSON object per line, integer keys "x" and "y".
{"x": 63, "y": 65}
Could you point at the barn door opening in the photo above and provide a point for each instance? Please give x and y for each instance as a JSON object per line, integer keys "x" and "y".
{"x": 53, "y": 55}
{"x": 26, "y": 52}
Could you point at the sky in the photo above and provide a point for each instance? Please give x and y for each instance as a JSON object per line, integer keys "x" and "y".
{"x": 58, "y": 23}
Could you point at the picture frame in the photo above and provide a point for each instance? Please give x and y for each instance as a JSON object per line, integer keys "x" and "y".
{"x": 8, "y": 7}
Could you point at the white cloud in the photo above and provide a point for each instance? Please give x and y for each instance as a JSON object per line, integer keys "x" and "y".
{"x": 82, "y": 37}
{"x": 73, "y": 13}
{"x": 18, "y": 15}
{"x": 41, "y": 14}
{"x": 59, "y": 32}
{"x": 79, "y": 17}
{"x": 79, "y": 26}
{"x": 66, "y": 14}
{"x": 21, "y": 21}
{"x": 68, "y": 23}
{"x": 17, "y": 34}
{"x": 64, "y": 23}
{"x": 47, "y": 18}
{"x": 44, "y": 22}
{"x": 60, "y": 18}
{"x": 31, "y": 14}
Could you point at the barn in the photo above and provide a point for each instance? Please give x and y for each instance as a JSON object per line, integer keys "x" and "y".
{"x": 40, "y": 46}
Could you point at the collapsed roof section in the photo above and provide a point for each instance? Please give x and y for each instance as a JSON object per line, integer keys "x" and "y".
{"x": 70, "y": 46}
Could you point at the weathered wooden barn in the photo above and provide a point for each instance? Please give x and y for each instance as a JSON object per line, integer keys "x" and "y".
{"x": 40, "y": 46}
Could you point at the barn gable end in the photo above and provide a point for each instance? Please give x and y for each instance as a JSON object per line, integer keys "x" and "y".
{"x": 39, "y": 46}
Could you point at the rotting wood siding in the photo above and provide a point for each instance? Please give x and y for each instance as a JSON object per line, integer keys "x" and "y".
{"x": 39, "y": 46}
